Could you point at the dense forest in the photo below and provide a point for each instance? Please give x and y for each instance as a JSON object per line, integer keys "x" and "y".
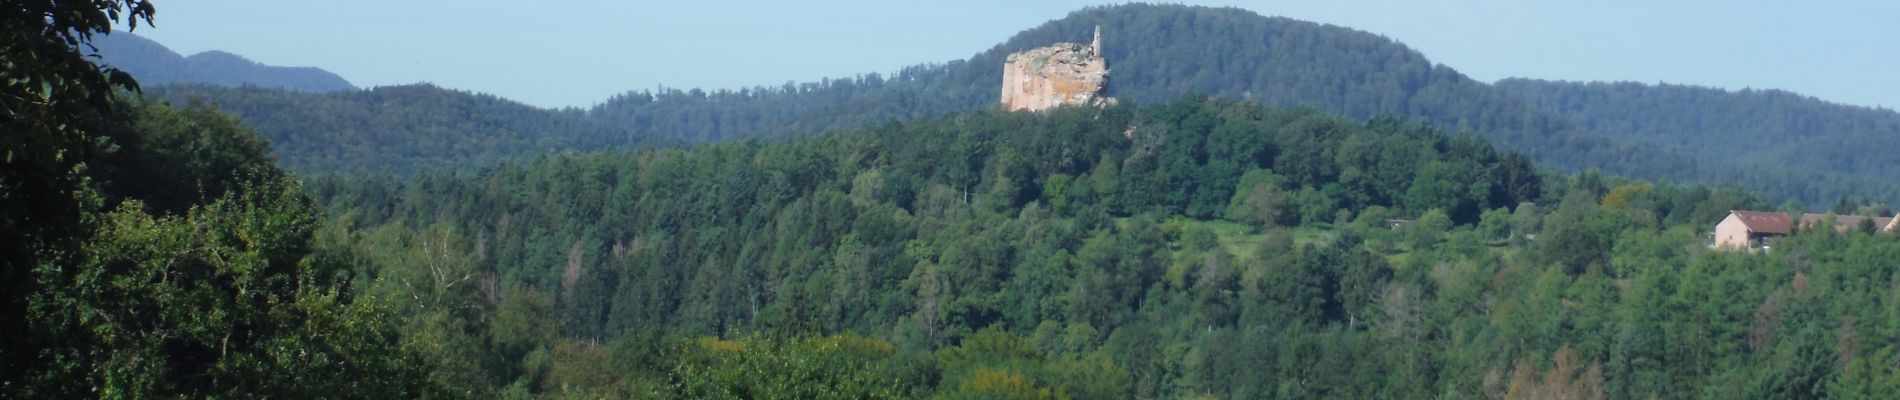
{"x": 1194, "y": 246}
{"x": 148, "y": 251}
{"x": 1155, "y": 52}
{"x": 1216, "y": 248}
{"x": 1763, "y": 130}
{"x": 401, "y": 128}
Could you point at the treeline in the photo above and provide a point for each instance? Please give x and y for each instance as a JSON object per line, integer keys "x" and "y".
{"x": 154, "y": 64}
{"x": 1193, "y": 247}
{"x": 921, "y": 234}
{"x": 160, "y": 252}
{"x": 401, "y": 128}
{"x": 1156, "y": 52}
{"x": 1764, "y": 133}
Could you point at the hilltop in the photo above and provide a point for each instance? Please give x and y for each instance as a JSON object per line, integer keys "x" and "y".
{"x": 1838, "y": 147}
{"x": 1222, "y": 249}
{"x": 1161, "y": 51}
{"x": 154, "y": 64}
{"x": 401, "y": 128}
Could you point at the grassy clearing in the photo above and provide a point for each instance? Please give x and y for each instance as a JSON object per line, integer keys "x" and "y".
{"x": 1240, "y": 239}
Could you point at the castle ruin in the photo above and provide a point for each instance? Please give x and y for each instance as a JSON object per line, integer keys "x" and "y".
{"x": 1059, "y": 74}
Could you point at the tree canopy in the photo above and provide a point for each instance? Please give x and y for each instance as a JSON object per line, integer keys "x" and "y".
{"x": 1086, "y": 253}
{"x": 159, "y": 252}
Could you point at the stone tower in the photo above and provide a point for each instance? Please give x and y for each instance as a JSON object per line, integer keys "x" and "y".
{"x": 1096, "y": 45}
{"x": 1059, "y": 74}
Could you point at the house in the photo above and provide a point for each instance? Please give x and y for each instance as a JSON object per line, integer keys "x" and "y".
{"x": 1846, "y": 223}
{"x": 1757, "y": 229}
{"x": 1750, "y": 229}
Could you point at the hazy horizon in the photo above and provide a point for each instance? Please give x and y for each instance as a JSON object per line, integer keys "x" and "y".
{"x": 1836, "y": 51}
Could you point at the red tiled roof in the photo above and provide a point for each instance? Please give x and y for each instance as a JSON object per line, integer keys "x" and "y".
{"x": 1765, "y": 222}
{"x": 1779, "y": 223}
{"x": 1843, "y": 223}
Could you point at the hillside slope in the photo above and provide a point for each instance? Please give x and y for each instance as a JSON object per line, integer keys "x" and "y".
{"x": 1049, "y": 251}
{"x": 154, "y": 64}
{"x": 1752, "y": 129}
{"x": 1159, "y": 52}
{"x": 400, "y": 128}
{"x": 1154, "y": 52}
{"x": 1006, "y": 220}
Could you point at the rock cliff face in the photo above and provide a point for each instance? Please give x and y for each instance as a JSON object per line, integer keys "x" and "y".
{"x": 1063, "y": 73}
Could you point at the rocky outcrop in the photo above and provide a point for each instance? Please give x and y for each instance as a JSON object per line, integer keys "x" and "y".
{"x": 1059, "y": 74}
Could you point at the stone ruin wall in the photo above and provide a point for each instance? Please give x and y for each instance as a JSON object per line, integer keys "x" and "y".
{"x": 1060, "y": 74}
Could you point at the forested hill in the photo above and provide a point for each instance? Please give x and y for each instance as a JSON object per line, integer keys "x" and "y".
{"x": 154, "y": 64}
{"x": 920, "y": 237}
{"x": 402, "y": 128}
{"x": 1158, "y": 52}
{"x": 1161, "y": 51}
{"x": 1752, "y": 129}
{"x": 1154, "y": 52}
{"x": 1221, "y": 249}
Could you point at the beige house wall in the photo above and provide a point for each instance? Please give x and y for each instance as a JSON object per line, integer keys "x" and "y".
{"x": 1731, "y": 233}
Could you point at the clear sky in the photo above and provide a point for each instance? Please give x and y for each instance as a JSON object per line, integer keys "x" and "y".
{"x": 555, "y": 53}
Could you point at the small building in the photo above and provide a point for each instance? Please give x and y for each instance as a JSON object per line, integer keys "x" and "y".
{"x": 1757, "y": 229}
{"x": 1846, "y": 223}
{"x": 1750, "y": 229}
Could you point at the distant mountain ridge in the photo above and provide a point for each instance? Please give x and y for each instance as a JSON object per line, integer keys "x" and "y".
{"x": 154, "y": 64}
{"x": 1839, "y": 144}
{"x": 401, "y": 128}
{"x": 1159, "y": 52}
{"x": 1660, "y": 115}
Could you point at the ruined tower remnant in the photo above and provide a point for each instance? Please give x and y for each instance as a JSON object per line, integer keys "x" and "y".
{"x": 1063, "y": 73}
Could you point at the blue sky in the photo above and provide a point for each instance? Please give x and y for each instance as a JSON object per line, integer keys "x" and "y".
{"x": 557, "y": 53}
